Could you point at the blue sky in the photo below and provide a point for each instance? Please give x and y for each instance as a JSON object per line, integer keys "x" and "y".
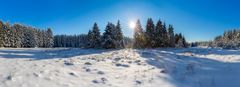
{"x": 198, "y": 20}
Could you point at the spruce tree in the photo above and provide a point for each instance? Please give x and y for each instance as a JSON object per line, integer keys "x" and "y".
{"x": 139, "y": 37}
{"x": 96, "y": 36}
{"x": 119, "y": 35}
{"x": 159, "y": 34}
{"x": 165, "y": 36}
{"x": 1, "y": 34}
{"x": 90, "y": 39}
{"x": 171, "y": 37}
{"x": 150, "y": 33}
{"x": 108, "y": 37}
{"x": 49, "y": 38}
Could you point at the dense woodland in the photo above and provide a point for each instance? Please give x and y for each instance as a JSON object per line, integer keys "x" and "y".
{"x": 229, "y": 40}
{"x": 17, "y": 35}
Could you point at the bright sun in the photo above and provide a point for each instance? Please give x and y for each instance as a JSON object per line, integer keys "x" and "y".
{"x": 132, "y": 24}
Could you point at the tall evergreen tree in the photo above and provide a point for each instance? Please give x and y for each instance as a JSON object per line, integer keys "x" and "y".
{"x": 159, "y": 34}
{"x": 94, "y": 37}
{"x": 49, "y": 38}
{"x": 150, "y": 33}
{"x": 119, "y": 35}
{"x": 1, "y": 34}
{"x": 171, "y": 37}
{"x": 139, "y": 37}
{"x": 108, "y": 37}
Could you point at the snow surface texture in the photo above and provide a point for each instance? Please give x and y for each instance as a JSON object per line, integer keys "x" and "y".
{"x": 62, "y": 67}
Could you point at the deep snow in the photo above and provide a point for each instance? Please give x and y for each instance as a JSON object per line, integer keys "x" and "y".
{"x": 72, "y": 67}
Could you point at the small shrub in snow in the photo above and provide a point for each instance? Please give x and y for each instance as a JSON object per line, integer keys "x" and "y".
{"x": 138, "y": 82}
{"x": 88, "y": 70}
{"x": 137, "y": 61}
{"x": 122, "y": 65}
{"x": 117, "y": 59}
{"x": 163, "y": 71}
{"x": 68, "y": 63}
{"x": 103, "y": 80}
{"x": 10, "y": 77}
{"x": 71, "y": 73}
{"x": 100, "y": 72}
{"x": 87, "y": 63}
{"x": 95, "y": 81}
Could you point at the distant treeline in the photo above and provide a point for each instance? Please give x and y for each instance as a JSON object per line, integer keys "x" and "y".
{"x": 229, "y": 40}
{"x": 112, "y": 38}
{"x": 18, "y": 35}
{"x": 159, "y": 35}
{"x": 153, "y": 37}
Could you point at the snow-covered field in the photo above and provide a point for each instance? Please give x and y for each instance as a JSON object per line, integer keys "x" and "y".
{"x": 65, "y": 67}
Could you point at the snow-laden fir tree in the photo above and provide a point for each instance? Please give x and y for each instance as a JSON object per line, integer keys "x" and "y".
{"x": 118, "y": 35}
{"x": 1, "y": 34}
{"x": 49, "y": 39}
{"x": 139, "y": 37}
{"x": 108, "y": 41}
{"x": 94, "y": 37}
{"x": 180, "y": 41}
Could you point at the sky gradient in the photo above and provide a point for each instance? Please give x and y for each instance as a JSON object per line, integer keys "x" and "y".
{"x": 198, "y": 20}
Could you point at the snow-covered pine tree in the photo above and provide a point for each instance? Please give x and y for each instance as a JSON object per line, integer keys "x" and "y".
{"x": 29, "y": 38}
{"x": 180, "y": 41}
{"x": 139, "y": 37}
{"x": 96, "y": 38}
{"x": 119, "y": 35}
{"x": 7, "y": 34}
{"x": 1, "y": 34}
{"x": 171, "y": 37}
{"x": 49, "y": 38}
{"x": 90, "y": 39}
{"x": 108, "y": 37}
{"x": 150, "y": 30}
{"x": 18, "y": 35}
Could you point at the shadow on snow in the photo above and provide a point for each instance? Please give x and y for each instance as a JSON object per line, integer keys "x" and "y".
{"x": 42, "y": 53}
{"x": 192, "y": 71}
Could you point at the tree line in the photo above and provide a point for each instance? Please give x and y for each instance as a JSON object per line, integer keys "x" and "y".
{"x": 18, "y": 35}
{"x": 230, "y": 39}
{"x": 112, "y": 38}
{"x": 161, "y": 35}
{"x": 158, "y": 35}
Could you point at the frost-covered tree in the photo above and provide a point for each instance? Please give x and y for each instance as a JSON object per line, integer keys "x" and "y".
{"x": 180, "y": 41}
{"x": 94, "y": 37}
{"x": 229, "y": 40}
{"x": 18, "y": 35}
{"x": 108, "y": 41}
{"x": 1, "y": 34}
{"x": 118, "y": 35}
{"x": 49, "y": 38}
{"x": 139, "y": 37}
